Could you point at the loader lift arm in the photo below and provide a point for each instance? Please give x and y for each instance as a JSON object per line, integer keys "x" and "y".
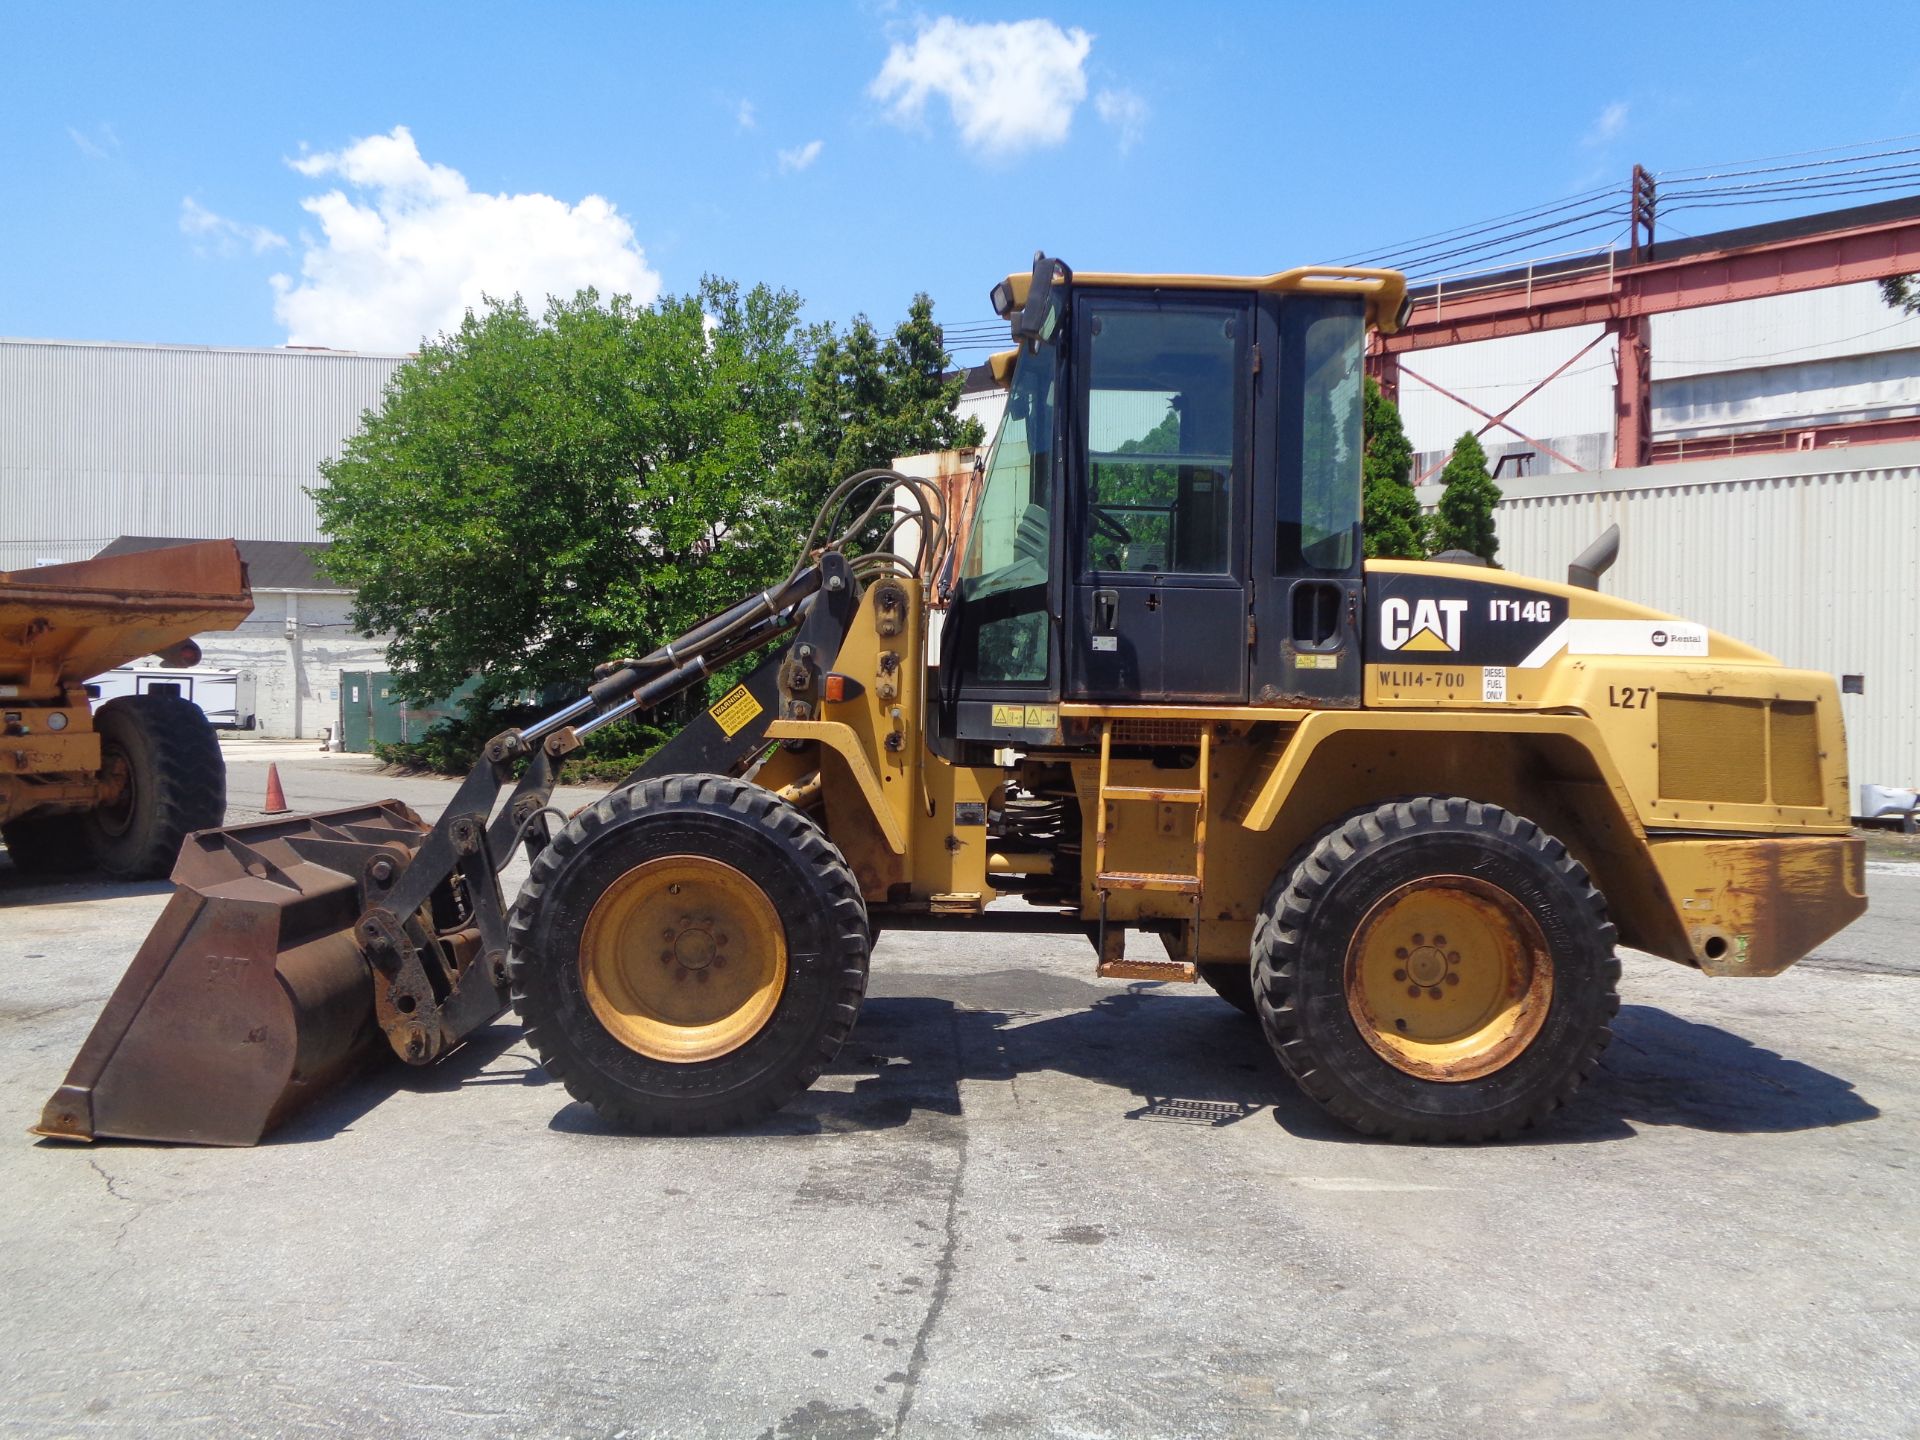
{"x": 424, "y": 1013}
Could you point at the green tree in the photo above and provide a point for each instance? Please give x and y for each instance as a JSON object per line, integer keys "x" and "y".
{"x": 538, "y": 494}
{"x": 1902, "y": 292}
{"x": 1464, "y": 518}
{"x": 1391, "y": 524}
{"x": 867, "y": 402}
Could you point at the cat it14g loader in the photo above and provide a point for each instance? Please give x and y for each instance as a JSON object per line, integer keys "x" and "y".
{"x": 1401, "y": 812}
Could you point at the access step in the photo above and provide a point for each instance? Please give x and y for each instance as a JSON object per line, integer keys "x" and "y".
{"x": 1154, "y": 794}
{"x": 1177, "y": 971}
{"x": 1147, "y": 880}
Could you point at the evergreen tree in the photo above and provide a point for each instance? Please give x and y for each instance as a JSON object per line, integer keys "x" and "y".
{"x": 1391, "y": 522}
{"x": 867, "y": 402}
{"x": 1464, "y": 519}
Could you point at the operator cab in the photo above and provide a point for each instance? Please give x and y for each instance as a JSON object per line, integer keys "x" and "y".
{"x": 1171, "y": 508}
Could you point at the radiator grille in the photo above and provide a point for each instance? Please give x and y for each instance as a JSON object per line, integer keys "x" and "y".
{"x": 1713, "y": 749}
{"x": 1795, "y": 748}
{"x": 1156, "y": 732}
{"x": 1731, "y": 751}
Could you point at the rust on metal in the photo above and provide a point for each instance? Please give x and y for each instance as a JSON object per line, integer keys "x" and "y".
{"x": 1176, "y": 971}
{"x": 1755, "y": 906}
{"x": 1150, "y": 880}
{"x": 63, "y": 624}
{"x": 252, "y": 995}
{"x": 1448, "y": 978}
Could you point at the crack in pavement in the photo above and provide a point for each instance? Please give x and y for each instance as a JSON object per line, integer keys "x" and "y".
{"x": 113, "y": 1182}
{"x": 944, "y": 1266}
{"x": 113, "y": 1188}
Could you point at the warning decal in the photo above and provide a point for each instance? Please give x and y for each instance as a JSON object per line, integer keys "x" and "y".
{"x": 1025, "y": 717}
{"x": 735, "y": 709}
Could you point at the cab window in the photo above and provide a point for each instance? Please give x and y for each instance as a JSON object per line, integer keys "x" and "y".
{"x": 1161, "y": 392}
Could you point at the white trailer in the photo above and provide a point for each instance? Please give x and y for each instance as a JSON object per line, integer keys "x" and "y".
{"x": 225, "y": 697}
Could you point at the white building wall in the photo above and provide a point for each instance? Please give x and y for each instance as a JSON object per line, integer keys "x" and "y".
{"x": 1812, "y": 556}
{"x": 985, "y": 406}
{"x": 295, "y": 670}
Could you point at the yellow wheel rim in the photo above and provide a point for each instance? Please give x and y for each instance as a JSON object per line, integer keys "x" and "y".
{"x": 683, "y": 959}
{"x": 1448, "y": 978}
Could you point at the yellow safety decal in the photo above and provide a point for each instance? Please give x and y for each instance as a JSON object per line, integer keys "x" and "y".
{"x": 735, "y": 709}
{"x": 1026, "y": 717}
{"x": 1316, "y": 662}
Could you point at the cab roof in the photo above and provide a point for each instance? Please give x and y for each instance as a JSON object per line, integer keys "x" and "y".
{"x": 1384, "y": 290}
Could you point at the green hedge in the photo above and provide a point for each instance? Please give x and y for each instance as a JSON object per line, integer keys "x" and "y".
{"x": 453, "y": 747}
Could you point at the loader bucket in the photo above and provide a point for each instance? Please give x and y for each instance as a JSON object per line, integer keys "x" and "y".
{"x": 250, "y": 996}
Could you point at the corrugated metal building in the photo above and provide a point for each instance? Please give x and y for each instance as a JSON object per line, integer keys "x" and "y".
{"x": 155, "y": 442}
{"x": 103, "y": 440}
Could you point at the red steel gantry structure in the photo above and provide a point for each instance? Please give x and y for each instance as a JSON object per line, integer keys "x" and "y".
{"x": 1621, "y": 290}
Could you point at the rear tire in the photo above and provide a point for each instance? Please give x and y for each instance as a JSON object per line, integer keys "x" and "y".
{"x": 1233, "y": 984}
{"x": 174, "y": 783}
{"x": 1396, "y": 1029}
{"x": 610, "y": 978}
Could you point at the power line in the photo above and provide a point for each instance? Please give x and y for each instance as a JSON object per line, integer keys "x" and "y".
{"x": 1400, "y": 247}
{"x": 1697, "y": 172}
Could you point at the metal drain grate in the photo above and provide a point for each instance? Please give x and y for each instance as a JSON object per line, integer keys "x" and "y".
{"x": 1213, "y": 1113}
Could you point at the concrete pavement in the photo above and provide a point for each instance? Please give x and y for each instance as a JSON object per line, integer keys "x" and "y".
{"x": 1024, "y": 1202}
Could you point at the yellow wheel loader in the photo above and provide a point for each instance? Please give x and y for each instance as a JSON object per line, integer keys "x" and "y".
{"x": 117, "y": 789}
{"x": 1401, "y": 812}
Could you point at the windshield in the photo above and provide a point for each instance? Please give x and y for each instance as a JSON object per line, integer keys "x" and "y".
{"x": 1009, "y": 544}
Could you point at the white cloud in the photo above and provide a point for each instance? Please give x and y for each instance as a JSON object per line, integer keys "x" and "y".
{"x": 100, "y": 145}
{"x": 1126, "y": 112}
{"x": 1010, "y": 86}
{"x": 744, "y": 116}
{"x": 801, "y": 156}
{"x": 413, "y": 247}
{"x": 217, "y": 235}
{"x": 1611, "y": 122}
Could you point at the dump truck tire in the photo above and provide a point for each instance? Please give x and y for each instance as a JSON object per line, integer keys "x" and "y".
{"x": 688, "y": 954}
{"x": 48, "y": 844}
{"x": 1233, "y": 984}
{"x": 1396, "y": 1027}
{"x": 175, "y": 783}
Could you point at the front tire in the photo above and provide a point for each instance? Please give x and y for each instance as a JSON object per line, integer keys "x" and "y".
{"x": 1398, "y": 1028}
{"x": 689, "y": 954}
{"x": 163, "y": 760}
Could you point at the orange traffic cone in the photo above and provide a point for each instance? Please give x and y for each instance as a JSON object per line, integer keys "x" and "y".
{"x": 276, "y": 797}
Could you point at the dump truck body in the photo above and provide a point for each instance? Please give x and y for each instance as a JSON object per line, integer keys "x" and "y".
{"x": 60, "y": 626}
{"x": 1400, "y": 812}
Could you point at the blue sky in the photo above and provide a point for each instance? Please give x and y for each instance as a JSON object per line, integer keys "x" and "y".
{"x": 154, "y": 160}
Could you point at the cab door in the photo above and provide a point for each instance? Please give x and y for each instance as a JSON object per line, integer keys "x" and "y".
{"x": 1160, "y": 493}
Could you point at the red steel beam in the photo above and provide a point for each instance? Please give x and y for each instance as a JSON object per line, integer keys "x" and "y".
{"x": 1500, "y": 419}
{"x": 1550, "y": 302}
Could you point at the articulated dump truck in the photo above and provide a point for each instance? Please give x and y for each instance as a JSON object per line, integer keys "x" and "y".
{"x": 117, "y": 789}
{"x": 1401, "y": 813}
